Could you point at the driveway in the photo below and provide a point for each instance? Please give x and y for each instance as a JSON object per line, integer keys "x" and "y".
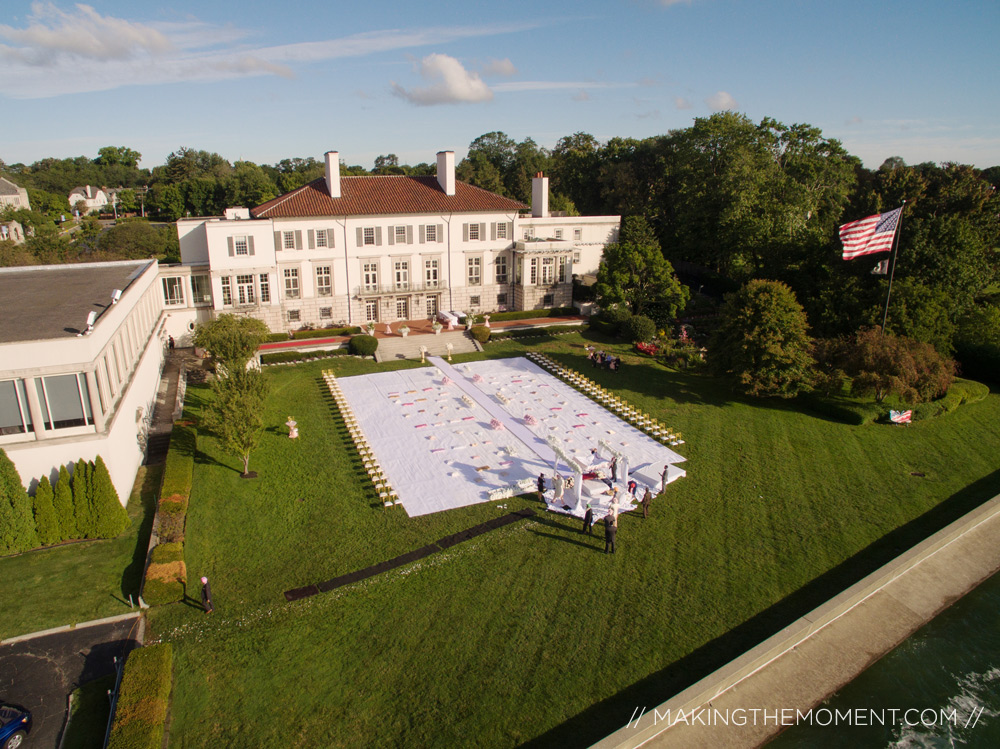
{"x": 41, "y": 673}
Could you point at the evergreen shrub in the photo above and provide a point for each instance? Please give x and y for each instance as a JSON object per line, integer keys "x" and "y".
{"x": 364, "y": 345}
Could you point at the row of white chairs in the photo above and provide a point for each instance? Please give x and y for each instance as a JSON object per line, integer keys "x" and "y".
{"x": 632, "y": 414}
{"x": 378, "y": 478}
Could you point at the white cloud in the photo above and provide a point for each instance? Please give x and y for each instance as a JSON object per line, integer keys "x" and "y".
{"x": 59, "y": 52}
{"x": 86, "y": 34}
{"x": 500, "y": 68}
{"x": 721, "y": 101}
{"x": 681, "y": 103}
{"x": 454, "y": 84}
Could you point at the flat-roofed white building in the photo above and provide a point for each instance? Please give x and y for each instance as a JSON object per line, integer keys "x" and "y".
{"x": 81, "y": 353}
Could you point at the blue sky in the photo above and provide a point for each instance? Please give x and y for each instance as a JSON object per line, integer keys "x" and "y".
{"x": 264, "y": 81}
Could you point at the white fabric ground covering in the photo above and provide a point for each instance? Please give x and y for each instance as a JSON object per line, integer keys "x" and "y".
{"x": 439, "y": 453}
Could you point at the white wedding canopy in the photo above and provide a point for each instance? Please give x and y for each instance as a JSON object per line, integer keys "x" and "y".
{"x": 434, "y": 431}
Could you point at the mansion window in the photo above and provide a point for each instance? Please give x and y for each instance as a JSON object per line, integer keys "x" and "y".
{"x": 291, "y": 283}
{"x": 368, "y": 235}
{"x": 64, "y": 401}
{"x": 288, "y": 240}
{"x": 326, "y": 313}
{"x": 265, "y": 289}
{"x": 501, "y": 269}
{"x": 173, "y": 290}
{"x": 559, "y": 233}
{"x": 578, "y": 234}
{"x": 502, "y": 230}
{"x": 501, "y": 301}
{"x": 576, "y": 257}
{"x": 401, "y": 269}
{"x": 475, "y": 270}
{"x": 369, "y": 272}
{"x": 201, "y": 290}
{"x": 227, "y": 291}
{"x": 548, "y": 300}
{"x": 15, "y": 416}
{"x": 431, "y": 273}
{"x": 473, "y": 232}
{"x": 324, "y": 281}
{"x": 241, "y": 245}
{"x": 562, "y": 269}
{"x": 400, "y": 234}
{"x": 294, "y": 315}
{"x": 431, "y": 232}
{"x": 533, "y": 279}
{"x": 529, "y": 233}
{"x": 245, "y": 289}
{"x": 474, "y": 301}
{"x": 321, "y": 238}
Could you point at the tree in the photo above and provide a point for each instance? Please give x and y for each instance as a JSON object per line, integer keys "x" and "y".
{"x": 63, "y": 504}
{"x": 762, "y": 341}
{"x": 136, "y": 238}
{"x": 83, "y": 510}
{"x": 113, "y": 155}
{"x": 633, "y": 272}
{"x": 232, "y": 340}
{"x": 46, "y": 521}
{"x": 110, "y": 518}
{"x": 881, "y": 365}
{"x": 17, "y": 526}
{"x": 236, "y": 413}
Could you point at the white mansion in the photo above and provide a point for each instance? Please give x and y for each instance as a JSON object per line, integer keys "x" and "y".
{"x": 351, "y": 250}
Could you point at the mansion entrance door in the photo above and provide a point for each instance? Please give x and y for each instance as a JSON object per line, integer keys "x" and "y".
{"x": 402, "y": 308}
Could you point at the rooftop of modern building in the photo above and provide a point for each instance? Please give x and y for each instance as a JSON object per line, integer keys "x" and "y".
{"x": 49, "y": 302}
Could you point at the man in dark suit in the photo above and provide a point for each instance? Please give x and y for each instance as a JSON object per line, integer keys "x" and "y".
{"x": 588, "y": 521}
{"x": 610, "y": 532}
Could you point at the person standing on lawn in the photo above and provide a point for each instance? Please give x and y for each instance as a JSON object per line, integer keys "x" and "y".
{"x": 610, "y": 534}
{"x": 206, "y": 596}
{"x": 588, "y": 521}
{"x": 541, "y": 487}
{"x": 647, "y": 499}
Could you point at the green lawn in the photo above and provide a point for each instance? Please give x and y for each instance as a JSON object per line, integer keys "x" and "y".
{"x": 528, "y": 634}
{"x": 79, "y": 581}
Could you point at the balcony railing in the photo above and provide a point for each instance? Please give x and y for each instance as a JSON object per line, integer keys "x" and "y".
{"x": 395, "y": 289}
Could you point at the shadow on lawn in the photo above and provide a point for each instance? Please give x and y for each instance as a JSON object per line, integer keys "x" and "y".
{"x": 132, "y": 575}
{"x": 551, "y": 522}
{"x": 605, "y": 717}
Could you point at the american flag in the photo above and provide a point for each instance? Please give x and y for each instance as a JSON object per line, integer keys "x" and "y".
{"x": 901, "y": 417}
{"x": 869, "y": 235}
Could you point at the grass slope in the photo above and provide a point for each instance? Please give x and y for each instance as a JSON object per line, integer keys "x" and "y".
{"x": 529, "y": 634}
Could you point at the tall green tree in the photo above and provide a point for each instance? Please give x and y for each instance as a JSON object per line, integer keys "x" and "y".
{"x": 46, "y": 521}
{"x": 110, "y": 517}
{"x": 232, "y": 340}
{"x": 83, "y": 504}
{"x": 236, "y": 413}
{"x": 762, "y": 343}
{"x": 62, "y": 501}
{"x": 17, "y": 525}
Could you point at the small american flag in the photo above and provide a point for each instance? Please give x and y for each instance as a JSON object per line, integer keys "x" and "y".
{"x": 901, "y": 417}
{"x": 869, "y": 235}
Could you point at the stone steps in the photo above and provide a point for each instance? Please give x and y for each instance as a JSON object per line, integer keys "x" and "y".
{"x": 391, "y": 349}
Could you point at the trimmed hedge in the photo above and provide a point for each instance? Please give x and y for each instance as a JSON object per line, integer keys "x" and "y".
{"x": 960, "y": 393}
{"x": 535, "y": 332}
{"x": 528, "y": 314}
{"x": 166, "y": 582}
{"x": 144, "y": 696}
{"x": 179, "y": 467}
{"x": 364, "y": 345}
{"x": 282, "y": 357}
{"x": 481, "y": 333}
{"x": 300, "y": 335}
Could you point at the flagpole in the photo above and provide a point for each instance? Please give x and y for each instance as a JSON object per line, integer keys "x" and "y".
{"x": 892, "y": 273}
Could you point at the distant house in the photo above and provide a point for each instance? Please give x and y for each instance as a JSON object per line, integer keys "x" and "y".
{"x": 94, "y": 198}
{"x": 13, "y": 231}
{"x": 12, "y": 195}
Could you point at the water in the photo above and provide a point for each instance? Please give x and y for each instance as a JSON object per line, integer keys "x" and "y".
{"x": 951, "y": 665}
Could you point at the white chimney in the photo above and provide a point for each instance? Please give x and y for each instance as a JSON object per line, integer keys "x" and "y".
{"x": 333, "y": 173}
{"x": 540, "y": 196}
{"x": 446, "y": 171}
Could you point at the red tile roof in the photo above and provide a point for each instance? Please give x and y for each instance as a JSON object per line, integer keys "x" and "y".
{"x": 384, "y": 194}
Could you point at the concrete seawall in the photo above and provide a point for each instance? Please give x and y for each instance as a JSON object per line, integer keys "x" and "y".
{"x": 798, "y": 667}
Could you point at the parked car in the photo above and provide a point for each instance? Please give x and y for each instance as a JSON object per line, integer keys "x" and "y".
{"x": 15, "y": 725}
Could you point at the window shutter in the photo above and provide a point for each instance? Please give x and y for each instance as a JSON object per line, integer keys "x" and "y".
{"x": 421, "y": 234}
{"x": 361, "y": 237}
{"x": 440, "y": 232}
{"x": 312, "y": 239}
{"x": 465, "y": 232}
{"x": 510, "y": 231}
{"x": 392, "y": 235}
{"x": 378, "y": 236}
{"x": 493, "y": 231}
{"x": 482, "y": 231}
{"x": 232, "y": 249}
{"x": 277, "y": 241}
{"x": 298, "y": 239}
{"x": 409, "y": 234}
{"x": 329, "y": 237}
{"x": 250, "y": 244}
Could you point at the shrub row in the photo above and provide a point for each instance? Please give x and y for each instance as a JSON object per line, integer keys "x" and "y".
{"x": 528, "y": 314}
{"x": 166, "y": 575}
{"x": 536, "y": 332}
{"x": 960, "y": 392}
{"x": 282, "y": 357}
{"x": 299, "y": 335}
{"x": 144, "y": 695}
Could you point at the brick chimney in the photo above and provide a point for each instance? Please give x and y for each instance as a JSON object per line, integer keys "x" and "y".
{"x": 446, "y": 171}
{"x": 540, "y": 196}
{"x": 333, "y": 173}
